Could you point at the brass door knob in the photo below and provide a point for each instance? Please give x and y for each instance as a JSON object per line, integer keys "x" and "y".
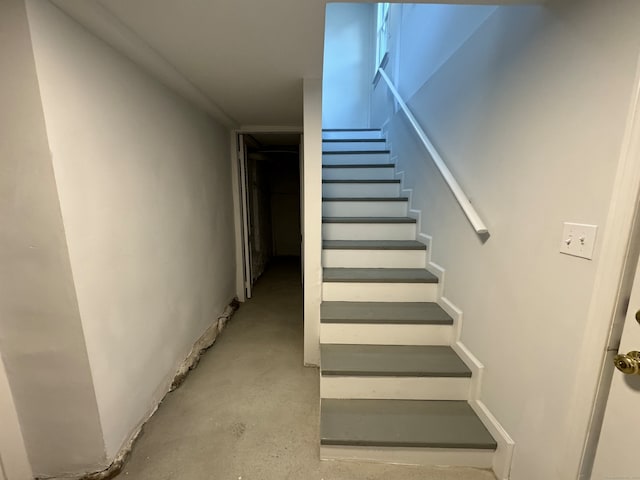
{"x": 629, "y": 363}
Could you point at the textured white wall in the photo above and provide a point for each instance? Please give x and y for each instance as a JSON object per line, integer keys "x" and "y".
{"x": 348, "y": 65}
{"x": 144, "y": 185}
{"x": 529, "y": 114}
{"x": 14, "y": 463}
{"x": 311, "y": 176}
{"x": 41, "y": 339}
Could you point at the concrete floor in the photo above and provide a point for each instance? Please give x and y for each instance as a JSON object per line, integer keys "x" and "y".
{"x": 250, "y": 409}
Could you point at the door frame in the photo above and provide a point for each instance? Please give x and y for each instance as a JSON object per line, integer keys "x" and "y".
{"x": 241, "y": 239}
{"x": 611, "y": 289}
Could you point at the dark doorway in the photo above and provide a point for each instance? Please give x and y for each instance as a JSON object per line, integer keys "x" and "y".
{"x": 272, "y": 200}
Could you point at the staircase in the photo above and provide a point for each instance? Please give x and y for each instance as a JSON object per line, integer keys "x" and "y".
{"x": 392, "y": 388}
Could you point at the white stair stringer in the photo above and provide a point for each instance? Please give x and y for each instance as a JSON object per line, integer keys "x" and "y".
{"x": 385, "y": 334}
{"x": 454, "y": 457}
{"x": 347, "y": 134}
{"x": 342, "y": 158}
{"x": 345, "y": 145}
{"x": 362, "y": 188}
{"x": 378, "y": 292}
{"x": 379, "y": 207}
{"x": 405, "y": 388}
{"x": 369, "y": 231}
{"x": 373, "y": 258}
{"x": 362, "y": 172}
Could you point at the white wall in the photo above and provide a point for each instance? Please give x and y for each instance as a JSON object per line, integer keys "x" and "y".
{"x": 430, "y": 34}
{"x": 348, "y": 65}
{"x": 41, "y": 339}
{"x": 312, "y": 218}
{"x": 145, "y": 193}
{"x": 14, "y": 463}
{"x": 529, "y": 114}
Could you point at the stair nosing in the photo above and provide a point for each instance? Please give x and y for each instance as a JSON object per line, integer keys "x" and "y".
{"x": 365, "y": 199}
{"x": 353, "y": 140}
{"x": 362, "y": 165}
{"x": 362, "y": 181}
{"x": 378, "y": 374}
{"x": 357, "y": 152}
{"x": 351, "y": 130}
{"x": 431, "y": 279}
{"x": 369, "y": 321}
{"x": 373, "y": 245}
{"x": 400, "y": 444}
{"x": 381, "y": 220}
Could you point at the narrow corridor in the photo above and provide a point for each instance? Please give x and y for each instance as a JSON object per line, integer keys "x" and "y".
{"x": 250, "y": 409}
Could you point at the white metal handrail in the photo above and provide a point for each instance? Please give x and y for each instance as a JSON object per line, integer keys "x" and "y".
{"x": 457, "y": 191}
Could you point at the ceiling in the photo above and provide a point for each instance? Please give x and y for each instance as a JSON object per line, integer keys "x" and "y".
{"x": 241, "y": 60}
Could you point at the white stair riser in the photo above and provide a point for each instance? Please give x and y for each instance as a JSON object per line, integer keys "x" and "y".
{"x": 400, "y": 388}
{"x": 385, "y": 334}
{"x": 374, "y": 258}
{"x": 359, "y": 190}
{"x": 410, "y": 456}
{"x": 386, "y": 173}
{"x": 379, "y": 292}
{"x": 364, "y": 209}
{"x": 355, "y": 158}
{"x": 353, "y": 146}
{"x": 351, "y": 135}
{"x": 369, "y": 231}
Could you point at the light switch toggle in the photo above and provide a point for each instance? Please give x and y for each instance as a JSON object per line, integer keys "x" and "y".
{"x": 578, "y": 239}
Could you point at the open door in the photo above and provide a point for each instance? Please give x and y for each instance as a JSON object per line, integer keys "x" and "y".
{"x": 617, "y": 455}
{"x": 244, "y": 206}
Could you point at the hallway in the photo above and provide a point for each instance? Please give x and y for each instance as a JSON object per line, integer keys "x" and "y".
{"x": 250, "y": 409}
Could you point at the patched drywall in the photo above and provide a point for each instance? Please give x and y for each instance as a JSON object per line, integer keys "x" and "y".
{"x": 529, "y": 115}
{"x": 41, "y": 338}
{"x": 145, "y": 193}
{"x": 348, "y": 65}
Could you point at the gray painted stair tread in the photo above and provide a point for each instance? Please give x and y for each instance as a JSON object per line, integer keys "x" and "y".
{"x": 342, "y": 140}
{"x": 379, "y": 275}
{"x": 361, "y": 165}
{"x": 365, "y": 199}
{"x": 361, "y": 181}
{"x": 373, "y": 245}
{"x": 402, "y": 423}
{"x": 350, "y": 129}
{"x": 368, "y": 220}
{"x": 356, "y": 152}
{"x": 391, "y": 361}
{"x": 400, "y": 313}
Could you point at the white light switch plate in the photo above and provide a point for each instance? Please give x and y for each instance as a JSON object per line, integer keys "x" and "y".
{"x": 578, "y": 239}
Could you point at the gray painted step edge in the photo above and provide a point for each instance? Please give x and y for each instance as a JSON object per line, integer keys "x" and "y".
{"x": 401, "y": 313}
{"x": 351, "y": 130}
{"x": 378, "y": 275}
{"x": 373, "y": 245}
{"x": 355, "y": 152}
{"x": 368, "y": 220}
{"x": 361, "y": 181}
{"x": 362, "y": 165}
{"x": 391, "y": 361}
{"x": 353, "y": 140}
{"x": 403, "y": 423}
{"x": 365, "y": 199}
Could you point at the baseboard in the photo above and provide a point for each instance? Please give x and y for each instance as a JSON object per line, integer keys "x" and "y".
{"x": 204, "y": 342}
{"x": 501, "y": 462}
{"x": 503, "y": 456}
